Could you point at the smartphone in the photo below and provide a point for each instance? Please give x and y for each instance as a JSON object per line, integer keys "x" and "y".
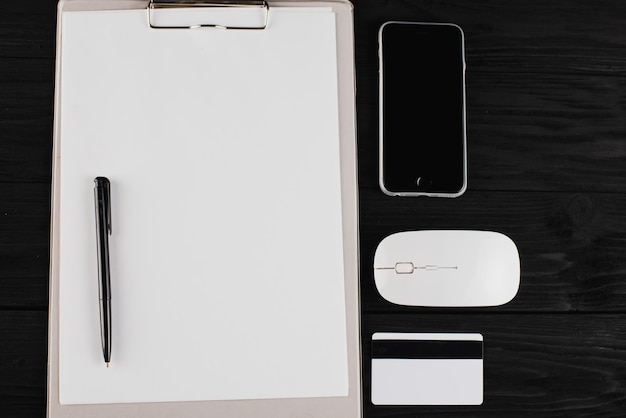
{"x": 422, "y": 148}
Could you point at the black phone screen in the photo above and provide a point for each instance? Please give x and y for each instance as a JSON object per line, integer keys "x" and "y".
{"x": 422, "y": 108}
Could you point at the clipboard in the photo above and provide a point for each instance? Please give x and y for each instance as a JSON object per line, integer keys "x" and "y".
{"x": 170, "y": 17}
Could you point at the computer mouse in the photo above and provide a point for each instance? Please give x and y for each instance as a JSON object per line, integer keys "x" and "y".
{"x": 447, "y": 268}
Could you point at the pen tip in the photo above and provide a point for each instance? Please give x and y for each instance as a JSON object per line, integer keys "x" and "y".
{"x": 107, "y": 364}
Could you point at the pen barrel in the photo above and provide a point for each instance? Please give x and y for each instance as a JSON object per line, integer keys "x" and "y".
{"x": 105, "y": 328}
{"x": 104, "y": 269}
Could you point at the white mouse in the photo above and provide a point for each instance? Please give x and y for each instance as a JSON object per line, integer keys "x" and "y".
{"x": 447, "y": 268}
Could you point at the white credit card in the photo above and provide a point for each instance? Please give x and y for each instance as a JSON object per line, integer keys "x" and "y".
{"x": 427, "y": 369}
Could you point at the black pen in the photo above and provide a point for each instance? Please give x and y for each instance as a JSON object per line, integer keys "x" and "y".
{"x": 102, "y": 195}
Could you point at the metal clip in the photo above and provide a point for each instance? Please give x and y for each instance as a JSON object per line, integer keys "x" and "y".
{"x": 156, "y": 5}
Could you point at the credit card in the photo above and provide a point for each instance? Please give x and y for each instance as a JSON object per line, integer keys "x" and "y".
{"x": 427, "y": 369}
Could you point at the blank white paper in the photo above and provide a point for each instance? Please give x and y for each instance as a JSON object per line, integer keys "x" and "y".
{"x": 222, "y": 148}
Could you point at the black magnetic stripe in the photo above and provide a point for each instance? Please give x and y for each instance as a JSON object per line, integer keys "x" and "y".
{"x": 427, "y": 349}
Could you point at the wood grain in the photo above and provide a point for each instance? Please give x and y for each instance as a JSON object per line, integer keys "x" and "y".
{"x": 24, "y": 245}
{"x": 27, "y": 29}
{"x": 26, "y": 109}
{"x": 23, "y": 360}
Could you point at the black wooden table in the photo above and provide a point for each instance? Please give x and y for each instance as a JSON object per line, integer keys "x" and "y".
{"x": 546, "y": 115}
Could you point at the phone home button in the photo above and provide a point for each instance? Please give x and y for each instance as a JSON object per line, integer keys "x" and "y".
{"x": 423, "y": 182}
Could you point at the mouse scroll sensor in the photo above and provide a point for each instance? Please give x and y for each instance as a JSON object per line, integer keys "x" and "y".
{"x": 407, "y": 267}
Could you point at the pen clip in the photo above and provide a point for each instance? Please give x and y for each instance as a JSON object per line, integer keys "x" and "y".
{"x": 103, "y": 184}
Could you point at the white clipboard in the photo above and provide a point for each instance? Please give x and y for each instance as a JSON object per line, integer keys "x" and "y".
{"x": 163, "y": 33}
